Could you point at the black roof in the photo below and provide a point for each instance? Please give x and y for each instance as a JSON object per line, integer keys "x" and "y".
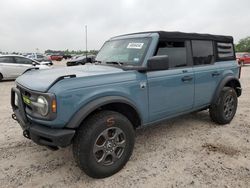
{"x": 194, "y": 36}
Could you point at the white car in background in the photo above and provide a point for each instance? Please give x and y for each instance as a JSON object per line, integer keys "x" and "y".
{"x": 12, "y": 66}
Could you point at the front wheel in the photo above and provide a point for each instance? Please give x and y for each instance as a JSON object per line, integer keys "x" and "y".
{"x": 224, "y": 111}
{"x": 103, "y": 144}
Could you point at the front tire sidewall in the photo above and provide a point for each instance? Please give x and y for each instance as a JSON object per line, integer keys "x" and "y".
{"x": 97, "y": 125}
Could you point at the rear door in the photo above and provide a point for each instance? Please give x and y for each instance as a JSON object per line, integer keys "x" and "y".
{"x": 7, "y": 67}
{"x": 207, "y": 72}
{"x": 171, "y": 91}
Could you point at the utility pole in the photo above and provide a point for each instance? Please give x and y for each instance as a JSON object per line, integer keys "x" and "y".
{"x": 86, "y": 40}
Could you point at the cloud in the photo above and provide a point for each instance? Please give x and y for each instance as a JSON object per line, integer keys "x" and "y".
{"x": 59, "y": 24}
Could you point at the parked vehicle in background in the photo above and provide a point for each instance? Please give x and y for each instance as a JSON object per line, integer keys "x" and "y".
{"x": 56, "y": 57}
{"x": 81, "y": 60}
{"x": 243, "y": 58}
{"x": 67, "y": 56}
{"x": 39, "y": 57}
{"x": 140, "y": 79}
{"x": 12, "y": 66}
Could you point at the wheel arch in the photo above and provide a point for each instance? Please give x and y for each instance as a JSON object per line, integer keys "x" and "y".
{"x": 114, "y": 103}
{"x": 229, "y": 81}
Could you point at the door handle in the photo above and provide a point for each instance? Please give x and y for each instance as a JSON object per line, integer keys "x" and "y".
{"x": 215, "y": 74}
{"x": 187, "y": 78}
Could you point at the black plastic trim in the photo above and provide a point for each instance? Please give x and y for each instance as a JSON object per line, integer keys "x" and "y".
{"x": 60, "y": 78}
{"x": 51, "y": 137}
{"x": 32, "y": 68}
{"x": 82, "y": 113}
{"x": 222, "y": 85}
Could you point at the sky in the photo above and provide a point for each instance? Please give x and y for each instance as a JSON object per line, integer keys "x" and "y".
{"x": 37, "y": 25}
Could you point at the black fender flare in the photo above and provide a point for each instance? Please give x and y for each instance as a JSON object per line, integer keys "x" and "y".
{"x": 222, "y": 84}
{"x": 84, "y": 111}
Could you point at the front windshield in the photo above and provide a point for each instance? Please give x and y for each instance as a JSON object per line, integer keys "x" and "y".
{"x": 126, "y": 51}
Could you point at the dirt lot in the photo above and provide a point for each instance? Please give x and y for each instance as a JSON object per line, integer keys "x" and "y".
{"x": 190, "y": 151}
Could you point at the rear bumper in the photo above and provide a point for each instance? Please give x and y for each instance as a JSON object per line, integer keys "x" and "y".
{"x": 40, "y": 134}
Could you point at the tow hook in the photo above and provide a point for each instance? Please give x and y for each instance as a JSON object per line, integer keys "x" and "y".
{"x": 14, "y": 117}
{"x": 26, "y": 134}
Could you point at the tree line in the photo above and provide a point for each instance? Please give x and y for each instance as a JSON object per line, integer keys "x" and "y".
{"x": 243, "y": 45}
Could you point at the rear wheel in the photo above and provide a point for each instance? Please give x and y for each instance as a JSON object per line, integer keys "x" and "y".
{"x": 224, "y": 111}
{"x": 103, "y": 144}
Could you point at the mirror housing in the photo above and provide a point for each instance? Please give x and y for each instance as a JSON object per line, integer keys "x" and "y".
{"x": 160, "y": 62}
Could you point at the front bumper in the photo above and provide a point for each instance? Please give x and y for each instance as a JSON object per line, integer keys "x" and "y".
{"x": 40, "y": 134}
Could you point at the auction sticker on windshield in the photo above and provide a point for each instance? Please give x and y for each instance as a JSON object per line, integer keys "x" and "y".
{"x": 135, "y": 45}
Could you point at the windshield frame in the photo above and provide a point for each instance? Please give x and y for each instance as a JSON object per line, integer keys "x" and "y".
{"x": 139, "y": 63}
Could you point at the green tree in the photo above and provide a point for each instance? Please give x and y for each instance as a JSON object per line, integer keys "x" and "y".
{"x": 243, "y": 45}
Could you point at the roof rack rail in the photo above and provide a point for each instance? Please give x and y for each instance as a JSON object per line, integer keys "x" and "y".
{"x": 32, "y": 68}
{"x": 60, "y": 78}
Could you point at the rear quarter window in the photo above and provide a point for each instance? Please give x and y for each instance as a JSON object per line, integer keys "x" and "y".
{"x": 225, "y": 51}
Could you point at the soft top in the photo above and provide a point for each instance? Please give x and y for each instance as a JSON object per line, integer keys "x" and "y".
{"x": 182, "y": 35}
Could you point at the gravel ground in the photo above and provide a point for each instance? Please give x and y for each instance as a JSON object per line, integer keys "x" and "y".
{"x": 189, "y": 151}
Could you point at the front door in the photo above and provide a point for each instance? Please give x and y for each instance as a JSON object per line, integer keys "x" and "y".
{"x": 171, "y": 92}
{"x": 23, "y": 64}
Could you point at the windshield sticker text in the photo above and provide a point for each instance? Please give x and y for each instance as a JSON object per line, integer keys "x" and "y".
{"x": 135, "y": 45}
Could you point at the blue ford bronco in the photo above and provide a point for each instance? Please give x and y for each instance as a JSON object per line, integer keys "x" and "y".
{"x": 137, "y": 80}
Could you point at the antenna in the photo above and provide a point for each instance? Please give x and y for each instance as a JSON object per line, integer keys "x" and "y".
{"x": 86, "y": 40}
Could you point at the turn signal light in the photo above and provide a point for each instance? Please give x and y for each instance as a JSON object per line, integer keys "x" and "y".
{"x": 53, "y": 106}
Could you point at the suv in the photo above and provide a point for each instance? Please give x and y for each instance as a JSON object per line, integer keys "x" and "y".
{"x": 137, "y": 80}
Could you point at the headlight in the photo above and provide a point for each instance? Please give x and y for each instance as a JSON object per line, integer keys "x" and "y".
{"x": 43, "y": 106}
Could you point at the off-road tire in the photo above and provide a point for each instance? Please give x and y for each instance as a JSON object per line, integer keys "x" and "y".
{"x": 218, "y": 113}
{"x": 86, "y": 138}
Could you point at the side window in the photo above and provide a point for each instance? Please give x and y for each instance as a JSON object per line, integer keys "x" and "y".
{"x": 39, "y": 56}
{"x": 203, "y": 52}
{"x": 225, "y": 50}
{"x": 6, "y": 60}
{"x": 176, "y": 51}
{"x": 21, "y": 60}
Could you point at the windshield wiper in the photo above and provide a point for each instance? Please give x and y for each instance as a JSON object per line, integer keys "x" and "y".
{"x": 114, "y": 62}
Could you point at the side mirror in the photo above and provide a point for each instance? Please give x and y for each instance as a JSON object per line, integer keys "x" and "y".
{"x": 33, "y": 63}
{"x": 160, "y": 62}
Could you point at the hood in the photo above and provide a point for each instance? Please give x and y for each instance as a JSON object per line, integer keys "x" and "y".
{"x": 43, "y": 66}
{"x": 40, "y": 80}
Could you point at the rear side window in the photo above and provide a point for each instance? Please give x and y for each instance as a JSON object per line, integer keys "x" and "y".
{"x": 21, "y": 60}
{"x": 6, "y": 60}
{"x": 176, "y": 52}
{"x": 225, "y": 50}
{"x": 203, "y": 52}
